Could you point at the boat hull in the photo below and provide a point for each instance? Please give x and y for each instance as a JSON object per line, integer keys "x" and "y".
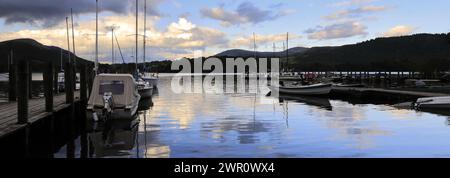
{"x": 146, "y": 92}
{"x": 312, "y": 90}
{"x": 152, "y": 81}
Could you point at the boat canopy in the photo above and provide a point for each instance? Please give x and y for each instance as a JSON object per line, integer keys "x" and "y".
{"x": 122, "y": 87}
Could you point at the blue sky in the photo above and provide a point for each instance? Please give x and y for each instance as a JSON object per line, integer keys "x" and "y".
{"x": 176, "y": 28}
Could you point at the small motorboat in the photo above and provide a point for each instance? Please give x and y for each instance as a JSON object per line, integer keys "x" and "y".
{"x": 113, "y": 96}
{"x": 350, "y": 85}
{"x": 433, "y": 103}
{"x": 322, "y": 102}
{"x": 153, "y": 81}
{"x": 316, "y": 89}
{"x": 145, "y": 89}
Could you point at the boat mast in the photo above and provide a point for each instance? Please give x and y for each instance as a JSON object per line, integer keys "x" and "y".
{"x": 254, "y": 44}
{"x": 137, "y": 18}
{"x": 145, "y": 30}
{"x": 287, "y": 51}
{"x": 61, "y": 60}
{"x": 68, "y": 38}
{"x": 73, "y": 36}
{"x": 96, "y": 37}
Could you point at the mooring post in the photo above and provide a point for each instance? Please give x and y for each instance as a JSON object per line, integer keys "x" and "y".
{"x": 23, "y": 70}
{"x": 30, "y": 80}
{"x": 55, "y": 81}
{"x": 83, "y": 102}
{"x": 68, "y": 81}
{"x": 48, "y": 87}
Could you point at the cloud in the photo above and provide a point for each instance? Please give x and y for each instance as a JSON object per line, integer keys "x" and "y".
{"x": 51, "y": 12}
{"x": 247, "y": 41}
{"x": 338, "y": 30}
{"x": 356, "y": 12}
{"x": 178, "y": 40}
{"x": 352, "y": 3}
{"x": 400, "y": 30}
{"x": 245, "y": 13}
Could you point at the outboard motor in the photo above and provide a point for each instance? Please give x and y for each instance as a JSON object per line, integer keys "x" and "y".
{"x": 108, "y": 105}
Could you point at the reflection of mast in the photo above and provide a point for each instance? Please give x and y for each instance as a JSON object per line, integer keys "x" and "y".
{"x": 145, "y": 134}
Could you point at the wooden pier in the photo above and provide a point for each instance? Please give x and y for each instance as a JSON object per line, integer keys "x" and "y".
{"x": 27, "y": 123}
{"x": 9, "y": 115}
{"x": 382, "y": 94}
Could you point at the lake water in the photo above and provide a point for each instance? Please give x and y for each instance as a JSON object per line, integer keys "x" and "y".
{"x": 242, "y": 125}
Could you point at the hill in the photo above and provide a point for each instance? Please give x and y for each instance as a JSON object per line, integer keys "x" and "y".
{"x": 420, "y": 52}
{"x": 245, "y": 53}
{"x": 29, "y": 49}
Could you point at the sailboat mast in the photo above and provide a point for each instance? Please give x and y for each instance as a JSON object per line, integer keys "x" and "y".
{"x": 73, "y": 33}
{"x": 137, "y": 18}
{"x": 68, "y": 38}
{"x": 96, "y": 37}
{"x": 254, "y": 44}
{"x": 287, "y": 51}
{"x": 112, "y": 45}
{"x": 145, "y": 30}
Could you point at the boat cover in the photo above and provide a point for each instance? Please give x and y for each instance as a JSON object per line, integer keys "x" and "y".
{"x": 122, "y": 87}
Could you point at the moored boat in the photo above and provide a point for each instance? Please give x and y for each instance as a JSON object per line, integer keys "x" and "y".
{"x": 317, "y": 89}
{"x": 433, "y": 103}
{"x": 113, "y": 96}
{"x": 151, "y": 80}
{"x": 144, "y": 89}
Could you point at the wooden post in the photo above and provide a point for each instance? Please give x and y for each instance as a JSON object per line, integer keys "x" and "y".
{"x": 55, "y": 81}
{"x": 48, "y": 87}
{"x": 30, "y": 80}
{"x": 12, "y": 80}
{"x": 83, "y": 84}
{"x": 23, "y": 72}
{"x": 68, "y": 79}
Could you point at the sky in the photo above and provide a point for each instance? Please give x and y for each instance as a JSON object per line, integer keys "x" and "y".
{"x": 177, "y": 28}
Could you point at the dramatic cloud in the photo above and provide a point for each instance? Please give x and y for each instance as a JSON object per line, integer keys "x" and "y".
{"x": 177, "y": 41}
{"x": 261, "y": 40}
{"x": 335, "y": 31}
{"x": 245, "y": 13}
{"x": 356, "y": 12}
{"x": 400, "y": 30}
{"x": 51, "y": 12}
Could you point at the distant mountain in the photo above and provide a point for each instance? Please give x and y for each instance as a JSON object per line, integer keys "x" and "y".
{"x": 29, "y": 49}
{"x": 245, "y": 53}
{"x": 420, "y": 52}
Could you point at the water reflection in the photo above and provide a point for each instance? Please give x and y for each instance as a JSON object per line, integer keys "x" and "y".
{"x": 249, "y": 125}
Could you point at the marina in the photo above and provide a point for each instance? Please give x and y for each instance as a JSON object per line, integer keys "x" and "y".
{"x": 223, "y": 80}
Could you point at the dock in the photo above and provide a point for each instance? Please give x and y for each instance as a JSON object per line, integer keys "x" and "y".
{"x": 39, "y": 126}
{"x": 9, "y": 115}
{"x": 382, "y": 93}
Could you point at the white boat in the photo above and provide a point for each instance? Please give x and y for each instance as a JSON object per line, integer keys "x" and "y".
{"x": 145, "y": 89}
{"x": 151, "y": 80}
{"x": 433, "y": 103}
{"x": 113, "y": 96}
{"x": 317, "y": 89}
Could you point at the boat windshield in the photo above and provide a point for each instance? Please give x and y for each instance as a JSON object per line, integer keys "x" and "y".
{"x": 115, "y": 87}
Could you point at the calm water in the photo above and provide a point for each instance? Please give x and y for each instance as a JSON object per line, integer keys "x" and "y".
{"x": 210, "y": 125}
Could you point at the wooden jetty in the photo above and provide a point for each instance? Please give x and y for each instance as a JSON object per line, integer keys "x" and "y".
{"x": 381, "y": 93}
{"x": 24, "y": 120}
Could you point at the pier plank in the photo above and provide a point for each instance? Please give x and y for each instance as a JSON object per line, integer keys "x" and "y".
{"x": 36, "y": 111}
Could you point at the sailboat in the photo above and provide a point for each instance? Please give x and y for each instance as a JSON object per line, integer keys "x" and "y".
{"x": 144, "y": 87}
{"x": 151, "y": 79}
{"x": 113, "y": 96}
{"x": 316, "y": 89}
